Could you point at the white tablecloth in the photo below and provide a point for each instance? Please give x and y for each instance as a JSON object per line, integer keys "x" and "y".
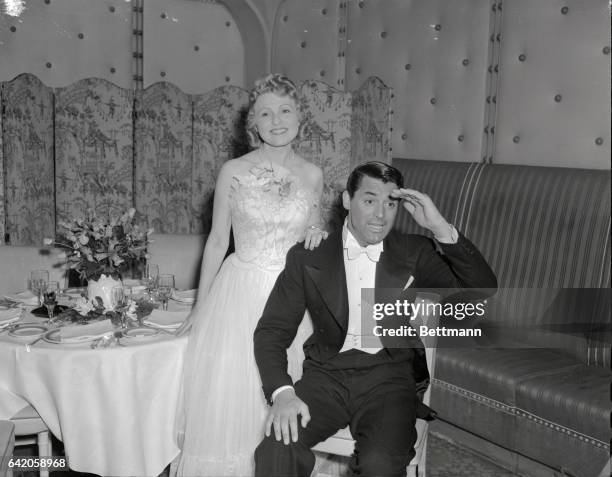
{"x": 115, "y": 409}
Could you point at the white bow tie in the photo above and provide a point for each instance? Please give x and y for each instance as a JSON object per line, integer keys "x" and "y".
{"x": 372, "y": 251}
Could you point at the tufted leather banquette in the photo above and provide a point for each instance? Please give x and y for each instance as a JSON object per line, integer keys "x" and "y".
{"x": 546, "y": 234}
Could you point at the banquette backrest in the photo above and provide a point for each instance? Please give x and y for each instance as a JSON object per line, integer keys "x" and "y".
{"x": 545, "y": 231}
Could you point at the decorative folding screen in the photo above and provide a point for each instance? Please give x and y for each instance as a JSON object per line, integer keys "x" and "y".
{"x": 93, "y": 148}
{"x": 27, "y": 134}
{"x": 160, "y": 151}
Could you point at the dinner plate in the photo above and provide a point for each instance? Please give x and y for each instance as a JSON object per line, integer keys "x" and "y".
{"x": 27, "y": 330}
{"x": 184, "y": 296}
{"x": 140, "y": 333}
{"x": 54, "y": 336}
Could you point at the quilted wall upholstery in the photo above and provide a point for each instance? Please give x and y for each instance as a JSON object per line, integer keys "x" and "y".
{"x": 461, "y": 92}
{"x": 62, "y": 41}
{"x": 28, "y": 160}
{"x": 161, "y": 149}
{"x": 554, "y": 70}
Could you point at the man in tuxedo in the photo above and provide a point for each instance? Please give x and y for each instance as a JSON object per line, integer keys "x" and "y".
{"x": 375, "y": 390}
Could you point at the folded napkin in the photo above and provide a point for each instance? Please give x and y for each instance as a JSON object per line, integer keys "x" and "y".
{"x": 184, "y": 296}
{"x": 168, "y": 320}
{"x": 24, "y": 297}
{"x": 9, "y": 316}
{"x": 78, "y": 333}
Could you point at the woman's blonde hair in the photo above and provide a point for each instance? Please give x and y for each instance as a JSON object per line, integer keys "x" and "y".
{"x": 273, "y": 83}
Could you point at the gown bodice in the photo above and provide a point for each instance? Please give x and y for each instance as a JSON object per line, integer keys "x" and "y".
{"x": 269, "y": 210}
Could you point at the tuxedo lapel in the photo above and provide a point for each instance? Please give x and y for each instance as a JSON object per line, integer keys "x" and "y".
{"x": 328, "y": 274}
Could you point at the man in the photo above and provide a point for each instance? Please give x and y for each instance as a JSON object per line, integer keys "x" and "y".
{"x": 373, "y": 390}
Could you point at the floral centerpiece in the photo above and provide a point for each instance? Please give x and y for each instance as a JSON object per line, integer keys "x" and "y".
{"x": 101, "y": 249}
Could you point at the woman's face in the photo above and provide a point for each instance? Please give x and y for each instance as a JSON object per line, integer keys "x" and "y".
{"x": 276, "y": 119}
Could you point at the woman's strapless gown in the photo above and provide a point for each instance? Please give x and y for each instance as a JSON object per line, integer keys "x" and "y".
{"x": 224, "y": 403}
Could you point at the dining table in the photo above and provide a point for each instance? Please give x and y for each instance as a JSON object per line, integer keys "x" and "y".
{"x": 113, "y": 400}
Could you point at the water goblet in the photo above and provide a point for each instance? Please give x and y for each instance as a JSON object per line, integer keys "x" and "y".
{"x": 150, "y": 277}
{"x": 165, "y": 287}
{"x": 37, "y": 279}
{"x": 50, "y": 291}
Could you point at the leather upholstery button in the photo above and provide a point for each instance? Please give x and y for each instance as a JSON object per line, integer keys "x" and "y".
{"x": 383, "y": 34}
{"x": 599, "y": 141}
{"x": 303, "y": 44}
{"x": 522, "y": 57}
{"x": 227, "y": 79}
{"x": 564, "y": 10}
{"x": 606, "y": 50}
{"x": 285, "y": 18}
{"x": 13, "y": 28}
{"x": 48, "y": 64}
{"x": 196, "y": 48}
{"x": 113, "y": 70}
{"x": 460, "y": 138}
{"x": 322, "y": 73}
{"x": 228, "y": 24}
{"x": 404, "y": 136}
{"x": 516, "y": 139}
{"x": 486, "y": 130}
{"x": 162, "y": 74}
{"x": 493, "y": 130}
{"x": 433, "y": 100}
{"x": 110, "y": 9}
{"x": 465, "y": 62}
{"x": 163, "y": 15}
{"x": 361, "y": 4}
{"x": 558, "y": 98}
{"x": 324, "y": 11}
{"x": 407, "y": 66}
{"x": 81, "y": 36}
{"x": 438, "y": 27}
{"x": 358, "y": 70}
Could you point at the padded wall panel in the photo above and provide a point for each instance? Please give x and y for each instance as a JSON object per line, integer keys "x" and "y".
{"x": 434, "y": 56}
{"x": 28, "y": 160}
{"x": 62, "y": 41}
{"x": 554, "y": 96}
{"x": 305, "y": 40}
{"x": 194, "y": 45}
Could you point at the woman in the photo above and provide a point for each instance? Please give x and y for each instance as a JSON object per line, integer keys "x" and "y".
{"x": 270, "y": 199}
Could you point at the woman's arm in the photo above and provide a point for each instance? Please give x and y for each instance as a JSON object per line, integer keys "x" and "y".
{"x": 218, "y": 239}
{"x": 314, "y": 226}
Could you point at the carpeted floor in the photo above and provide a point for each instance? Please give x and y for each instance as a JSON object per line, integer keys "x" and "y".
{"x": 444, "y": 459}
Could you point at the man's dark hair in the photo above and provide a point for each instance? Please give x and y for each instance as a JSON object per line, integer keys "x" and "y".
{"x": 375, "y": 170}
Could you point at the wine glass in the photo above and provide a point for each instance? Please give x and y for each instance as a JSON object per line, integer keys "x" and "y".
{"x": 50, "y": 291}
{"x": 37, "y": 280}
{"x": 165, "y": 287}
{"x": 150, "y": 277}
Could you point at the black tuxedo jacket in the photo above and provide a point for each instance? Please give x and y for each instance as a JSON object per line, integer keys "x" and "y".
{"x": 316, "y": 280}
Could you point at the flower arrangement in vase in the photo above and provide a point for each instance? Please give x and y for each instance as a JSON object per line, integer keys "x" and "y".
{"x": 101, "y": 249}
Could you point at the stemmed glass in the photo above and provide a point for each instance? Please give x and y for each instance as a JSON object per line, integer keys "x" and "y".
{"x": 150, "y": 277}
{"x": 165, "y": 287}
{"x": 50, "y": 291}
{"x": 37, "y": 280}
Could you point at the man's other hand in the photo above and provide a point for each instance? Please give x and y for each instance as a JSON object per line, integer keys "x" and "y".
{"x": 284, "y": 416}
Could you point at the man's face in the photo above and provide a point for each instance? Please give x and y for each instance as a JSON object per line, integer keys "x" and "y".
{"x": 372, "y": 210}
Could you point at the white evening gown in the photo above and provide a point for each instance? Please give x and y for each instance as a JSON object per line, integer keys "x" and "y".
{"x": 225, "y": 407}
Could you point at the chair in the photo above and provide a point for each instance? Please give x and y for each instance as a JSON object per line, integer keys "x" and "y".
{"x": 30, "y": 429}
{"x": 342, "y": 442}
{"x": 7, "y": 443}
